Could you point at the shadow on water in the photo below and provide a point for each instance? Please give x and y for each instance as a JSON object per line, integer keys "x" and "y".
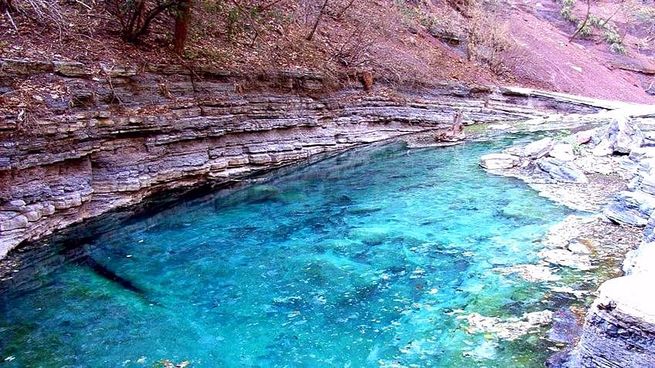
{"x": 79, "y": 256}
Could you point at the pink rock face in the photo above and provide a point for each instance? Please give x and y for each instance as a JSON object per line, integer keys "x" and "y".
{"x": 576, "y": 67}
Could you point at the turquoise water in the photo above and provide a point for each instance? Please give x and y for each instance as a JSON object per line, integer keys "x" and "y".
{"x": 365, "y": 259}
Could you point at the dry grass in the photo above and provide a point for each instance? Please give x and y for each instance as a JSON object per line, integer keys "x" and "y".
{"x": 489, "y": 41}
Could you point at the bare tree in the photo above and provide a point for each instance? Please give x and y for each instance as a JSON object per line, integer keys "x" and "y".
{"x": 136, "y": 16}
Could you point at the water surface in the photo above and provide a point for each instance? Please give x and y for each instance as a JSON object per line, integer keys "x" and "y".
{"x": 365, "y": 259}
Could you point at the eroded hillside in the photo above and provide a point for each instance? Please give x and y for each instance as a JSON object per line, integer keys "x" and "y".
{"x": 524, "y": 43}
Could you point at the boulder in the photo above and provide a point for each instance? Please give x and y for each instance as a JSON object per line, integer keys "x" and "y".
{"x": 562, "y": 152}
{"x": 499, "y": 161}
{"x": 24, "y": 66}
{"x": 538, "y": 149}
{"x": 619, "y": 329}
{"x": 649, "y": 138}
{"x": 604, "y": 148}
{"x": 621, "y": 137}
{"x": 648, "y": 184}
{"x": 640, "y": 260}
{"x": 12, "y": 221}
{"x": 632, "y": 208}
{"x": 584, "y": 137}
{"x": 561, "y": 171}
{"x": 649, "y": 231}
{"x": 71, "y": 69}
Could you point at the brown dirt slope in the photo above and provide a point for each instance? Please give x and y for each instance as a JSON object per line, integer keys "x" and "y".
{"x": 400, "y": 41}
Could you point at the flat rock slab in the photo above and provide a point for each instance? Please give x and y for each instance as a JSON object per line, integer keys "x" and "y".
{"x": 499, "y": 161}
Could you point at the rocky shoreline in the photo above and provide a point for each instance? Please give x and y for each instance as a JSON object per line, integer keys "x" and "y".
{"x": 605, "y": 171}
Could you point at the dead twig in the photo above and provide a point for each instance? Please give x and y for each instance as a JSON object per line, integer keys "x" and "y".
{"x": 114, "y": 96}
{"x": 613, "y": 14}
{"x": 11, "y": 20}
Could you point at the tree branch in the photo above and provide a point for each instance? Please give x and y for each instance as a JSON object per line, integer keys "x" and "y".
{"x": 584, "y": 23}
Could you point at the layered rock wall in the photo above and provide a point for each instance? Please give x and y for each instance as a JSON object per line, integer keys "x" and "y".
{"x": 77, "y": 141}
{"x": 619, "y": 330}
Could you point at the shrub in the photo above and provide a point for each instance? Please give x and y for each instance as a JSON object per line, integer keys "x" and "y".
{"x": 584, "y": 29}
{"x": 611, "y": 35}
{"x": 567, "y": 11}
{"x": 617, "y": 48}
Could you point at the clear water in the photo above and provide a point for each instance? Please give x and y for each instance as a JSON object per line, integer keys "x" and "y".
{"x": 361, "y": 260}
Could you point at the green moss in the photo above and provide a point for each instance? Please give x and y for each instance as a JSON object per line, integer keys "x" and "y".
{"x": 476, "y": 128}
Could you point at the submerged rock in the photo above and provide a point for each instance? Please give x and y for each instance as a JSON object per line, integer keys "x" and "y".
{"x": 564, "y": 257}
{"x": 510, "y": 328}
{"x": 619, "y": 330}
{"x": 566, "y": 327}
{"x": 530, "y": 272}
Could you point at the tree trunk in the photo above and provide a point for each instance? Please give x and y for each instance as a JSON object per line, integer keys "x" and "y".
{"x": 310, "y": 36}
{"x": 182, "y": 19}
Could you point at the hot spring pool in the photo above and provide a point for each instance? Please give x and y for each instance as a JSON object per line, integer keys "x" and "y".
{"x": 365, "y": 259}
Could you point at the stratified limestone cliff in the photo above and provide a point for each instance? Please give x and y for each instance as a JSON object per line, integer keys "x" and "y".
{"x": 619, "y": 330}
{"x": 112, "y": 136}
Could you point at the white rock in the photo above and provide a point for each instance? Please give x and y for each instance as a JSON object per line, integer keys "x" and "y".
{"x": 562, "y": 151}
{"x": 640, "y": 260}
{"x": 584, "y": 137}
{"x": 632, "y": 295}
{"x": 604, "y": 148}
{"x": 566, "y": 258}
{"x": 621, "y": 137}
{"x": 538, "y": 148}
{"x": 562, "y": 171}
{"x": 625, "y": 136}
{"x": 495, "y": 161}
{"x": 648, "y": 184}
